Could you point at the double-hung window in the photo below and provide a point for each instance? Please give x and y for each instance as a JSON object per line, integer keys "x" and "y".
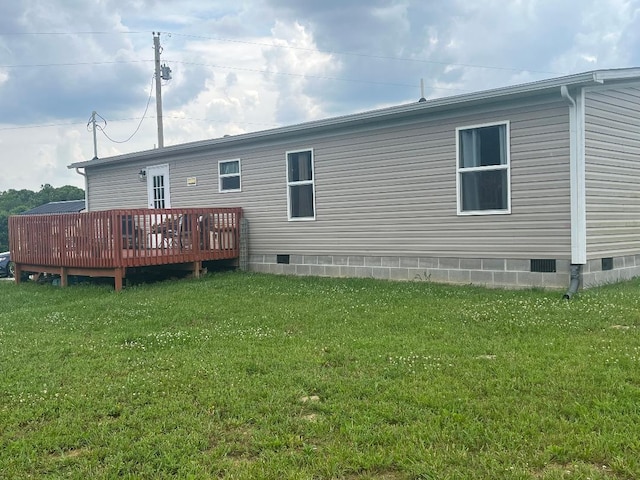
{"x": 229, "y": 176}
{"x": 300, "y": 185}
{"x": 483, "y": 180}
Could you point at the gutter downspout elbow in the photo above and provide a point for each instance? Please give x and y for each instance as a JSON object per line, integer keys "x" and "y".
{"x": 86, "y": 189}
{"x": 564, "y": 91}
{"x": 574, "y": 284}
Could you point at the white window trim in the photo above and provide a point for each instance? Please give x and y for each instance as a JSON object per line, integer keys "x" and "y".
{"x": 227, "y": 175}
{"x": 506, "y": 167}
{"x": 311, "y": 182}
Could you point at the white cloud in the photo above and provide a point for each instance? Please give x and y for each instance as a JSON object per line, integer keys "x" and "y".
{"x": 251, "y": 65}
{"x": 301, "y": 61}
{"x": 600, "y": 29}
{"x": 266, "y": 88}
{"x": 230, "y": 100}
{"x": 31, "y": 160}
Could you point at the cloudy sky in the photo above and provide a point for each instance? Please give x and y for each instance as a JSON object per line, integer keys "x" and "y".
{"x": 247, "y": 65}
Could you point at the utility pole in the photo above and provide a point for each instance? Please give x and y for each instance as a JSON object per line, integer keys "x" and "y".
{"x": 157, "y": 48}
{"x": 92, "y": 121}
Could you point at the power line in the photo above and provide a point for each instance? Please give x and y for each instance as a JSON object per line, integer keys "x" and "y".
{"x": 146, "y": 108}
{"x": 269, "y": 72}
{"x": 317, "y": 77}
{"x": 291, "y": 47}
{"x": 364, "y": 55}
{"x": 75, "y": 64}
{"x": 301, "y": 75}
{"x": 74, "y": 33}
{"x": 242, "y": 69}
{"x": 44, "y": 125}
{"x": 176, "y": 117}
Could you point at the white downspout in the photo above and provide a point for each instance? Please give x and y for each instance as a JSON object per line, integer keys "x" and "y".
{"x": 86, "y": 189}
{"x": 577, "y": 188}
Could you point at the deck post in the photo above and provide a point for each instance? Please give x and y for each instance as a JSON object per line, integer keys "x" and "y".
{"x": 197, "y": 266}
{"x": 117, "y": 277}
{"x": 17, "y": 274}
{"x": 63, "y": 277}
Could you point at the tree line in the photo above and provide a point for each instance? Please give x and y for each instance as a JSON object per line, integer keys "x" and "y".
{"x": 14, "y": 202}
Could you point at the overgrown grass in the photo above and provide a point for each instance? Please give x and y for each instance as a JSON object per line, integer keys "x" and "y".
{"x": 255, "y": 376}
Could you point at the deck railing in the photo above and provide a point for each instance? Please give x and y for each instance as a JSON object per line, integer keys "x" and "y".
{"x": 125, "y": 238}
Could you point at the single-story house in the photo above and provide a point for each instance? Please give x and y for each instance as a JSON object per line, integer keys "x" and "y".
{"x": 51, "y": 208}
{"x": 528, "y": 185}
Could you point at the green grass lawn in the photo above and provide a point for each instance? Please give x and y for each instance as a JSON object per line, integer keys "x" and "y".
{"x": 255, "y": 376}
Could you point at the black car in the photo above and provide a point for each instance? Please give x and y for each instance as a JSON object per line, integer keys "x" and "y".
{"x": 7, "y": 268}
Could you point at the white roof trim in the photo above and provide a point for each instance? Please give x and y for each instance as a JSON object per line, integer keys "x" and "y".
{"x": 581, "y": 79}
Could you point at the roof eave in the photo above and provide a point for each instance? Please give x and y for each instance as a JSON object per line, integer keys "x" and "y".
{"x": 476, "y": 98}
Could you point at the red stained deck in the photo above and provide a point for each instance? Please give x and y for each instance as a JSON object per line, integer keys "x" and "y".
{"x": 107, "y": 243}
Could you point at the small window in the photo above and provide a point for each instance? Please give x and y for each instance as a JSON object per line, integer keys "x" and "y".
{"x": 607, "y": 263}
{"x": 300, "y": 185}
{"x": 483, "y": 169}
{"x": 229, "y": 176}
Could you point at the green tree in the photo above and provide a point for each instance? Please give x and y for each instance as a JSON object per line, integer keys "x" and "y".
{"x": 14, "y": 202}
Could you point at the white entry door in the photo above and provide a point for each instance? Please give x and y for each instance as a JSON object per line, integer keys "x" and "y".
{"x": 158, "y": 191}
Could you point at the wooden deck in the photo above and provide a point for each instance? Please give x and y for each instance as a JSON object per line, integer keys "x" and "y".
{"x": 107, "y": 243}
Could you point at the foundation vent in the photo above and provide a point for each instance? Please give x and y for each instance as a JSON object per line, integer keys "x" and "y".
{"x": 282, "y": 259}
{"x": 607, "y": 263}
{"x": 543, "y": 265}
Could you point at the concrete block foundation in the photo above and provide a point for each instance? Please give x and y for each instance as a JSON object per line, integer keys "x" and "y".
{"x": 489, "y": 272}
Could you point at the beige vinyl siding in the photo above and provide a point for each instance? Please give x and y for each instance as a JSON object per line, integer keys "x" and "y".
{"x": 612, "y": 156}
{"x": 116, "y": 186}
{"x": 393, "y": 192}
{"x": 389, "y": 188}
